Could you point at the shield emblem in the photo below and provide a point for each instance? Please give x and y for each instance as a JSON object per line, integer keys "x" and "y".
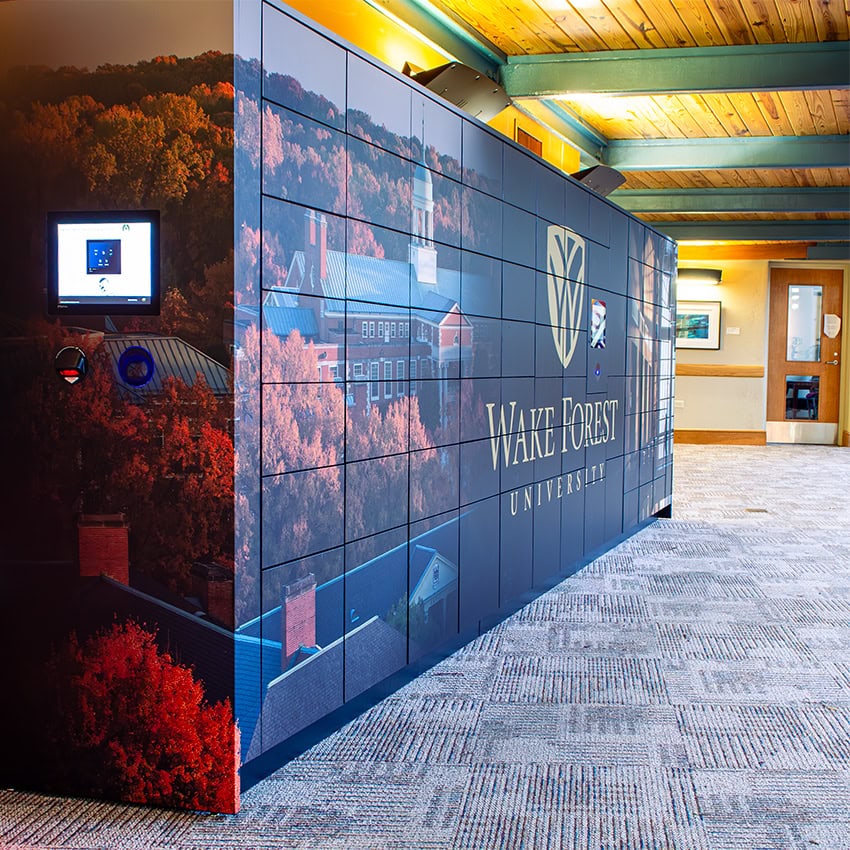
{"x": 565, "y": 278}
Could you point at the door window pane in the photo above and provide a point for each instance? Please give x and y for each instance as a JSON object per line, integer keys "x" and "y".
{"x": 801, "y": 396}
{"x": 805, "y": 305}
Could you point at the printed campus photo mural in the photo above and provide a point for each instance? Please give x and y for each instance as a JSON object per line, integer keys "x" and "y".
{"x": 453, "y": 376}
{"x": 404, "y": 375}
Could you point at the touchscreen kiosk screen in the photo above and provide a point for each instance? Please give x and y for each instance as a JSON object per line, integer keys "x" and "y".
{"x": 103, "y": 263}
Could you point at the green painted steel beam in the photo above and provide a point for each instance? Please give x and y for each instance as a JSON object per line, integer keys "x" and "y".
{"x": 740, "y": 152}
{"x": 779, "y": 200}
{"x": 746, "y": 67}
{"x": 808, "y": 231}
{"x": 450, "y": 34}
{"x": 829, "y": 251}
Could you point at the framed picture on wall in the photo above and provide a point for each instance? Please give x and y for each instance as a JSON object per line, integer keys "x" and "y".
{"x": 698, "y": 324}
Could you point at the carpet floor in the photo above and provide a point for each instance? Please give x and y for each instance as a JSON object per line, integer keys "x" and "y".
{"x": 688, "y": 690}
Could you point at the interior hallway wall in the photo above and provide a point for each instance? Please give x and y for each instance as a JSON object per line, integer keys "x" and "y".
{"x": 727, "y": 403}
{"x": 736, "y": 403}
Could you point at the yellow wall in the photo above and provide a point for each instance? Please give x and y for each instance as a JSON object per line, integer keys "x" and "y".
{"x": 371, "y": 31}
{"x": 728, "y": 403}
{"x": 556, "y": 151}
{"x": 378, "y": 35}
{"x": 740, "y": 403}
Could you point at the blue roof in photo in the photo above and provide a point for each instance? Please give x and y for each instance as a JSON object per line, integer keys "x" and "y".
{"x": 314, "y": 687}
{"x": 433, "y": 302}
{"x": 382, "y": 281}
{"x": 374, "y": 278}
{"x": 283, "y": 320}
{"x": 369, "y": 586}
{"x": 173, "y": 358}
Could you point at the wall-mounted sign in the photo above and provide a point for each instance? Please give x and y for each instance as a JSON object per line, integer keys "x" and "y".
{"x": 831, "y": 325}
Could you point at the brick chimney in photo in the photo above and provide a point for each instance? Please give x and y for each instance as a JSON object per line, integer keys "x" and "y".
{"x": 212, "y": 583}
{"x": 104, "y": 546}
{"x": 297, "y": 617}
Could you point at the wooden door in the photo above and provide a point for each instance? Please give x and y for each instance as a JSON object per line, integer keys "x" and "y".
{"x": 804, "y": 358}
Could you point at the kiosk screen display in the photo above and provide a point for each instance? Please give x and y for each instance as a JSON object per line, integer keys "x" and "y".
{"x": 103, "y": 262}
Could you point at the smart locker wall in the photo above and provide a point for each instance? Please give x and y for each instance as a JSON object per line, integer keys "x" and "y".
{"x": 404, "y": 373}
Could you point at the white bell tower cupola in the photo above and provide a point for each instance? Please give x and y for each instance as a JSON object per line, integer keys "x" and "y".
{"x": 423, "y": 254}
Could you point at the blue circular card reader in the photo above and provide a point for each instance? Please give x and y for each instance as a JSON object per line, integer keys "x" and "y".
{"x": 136, "y": 366}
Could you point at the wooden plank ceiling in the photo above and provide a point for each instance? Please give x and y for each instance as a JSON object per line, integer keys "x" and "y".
{"x": 553, "y": 28}
{"x": 556, "y": 26}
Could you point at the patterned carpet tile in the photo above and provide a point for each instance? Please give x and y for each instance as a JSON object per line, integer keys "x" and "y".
{"x": 796, "y": 570}
{"x": 37, "y": 821}
{"x": 352, "y": 804}
{"x": 813, "y": 611}
{"x": 556, "y": 807}
{"x": 648, "y": 547}
{"x": 683, "y": 610}
{"x": 577, "y": 607}
{"x": 407, "y": 729}
{"x": 582, "y": 639}
{"x": 744, "y": 737}
{"x": 552, "y": 679}
{"x": 771, "y": 644}
{"x": 751, "y": 682}
{"x": 605, "y": 584}
{"x": 777, "y": 833}
{"x": 616, "y": 562}
{"x": 703, "y": 585}
{"x": 841, "y": 672}
{"x": 581, "y": 734}
{"x": 765, "y": 796}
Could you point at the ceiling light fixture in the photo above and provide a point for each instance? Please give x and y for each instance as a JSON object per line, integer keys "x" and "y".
{"x": 601, "y": 178}
{"x": 710, "y": 277}
{"x": 463, "y": 86}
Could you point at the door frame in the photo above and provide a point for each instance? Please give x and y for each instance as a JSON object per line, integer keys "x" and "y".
{"x": 843, "y": 438}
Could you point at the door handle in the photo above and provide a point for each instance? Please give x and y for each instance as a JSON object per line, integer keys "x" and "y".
{"x": 830, "y": 363}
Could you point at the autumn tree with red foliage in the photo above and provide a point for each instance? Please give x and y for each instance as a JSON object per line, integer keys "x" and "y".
{"x": 133, "y": 724}
{"x": 386, "y": 436}
{"x": 302, "y": 428}
{"x": 182, "y": 499}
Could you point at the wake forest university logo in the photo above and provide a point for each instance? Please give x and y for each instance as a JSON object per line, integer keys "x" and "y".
{"x": 524, "y": 434}
{"x": 565, "y": 277}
